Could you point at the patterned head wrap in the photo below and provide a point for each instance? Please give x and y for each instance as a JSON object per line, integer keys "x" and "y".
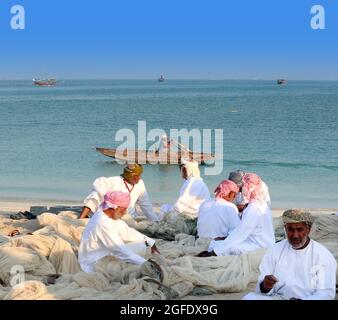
{"x": 225, "y": 187}
{"x": 132, "y": 170}
{"x": 252, "y": 189}
{"x": 297, "y": 216}
{"x": 192, "y": 168}
{"x": 116, "y": 199}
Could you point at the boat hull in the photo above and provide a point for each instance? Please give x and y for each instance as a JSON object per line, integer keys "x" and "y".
{"x": 44, "y": 83}
{"x": 155, "y": 157}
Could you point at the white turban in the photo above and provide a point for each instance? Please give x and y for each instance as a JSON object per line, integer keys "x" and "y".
{"x": 192, "y": 168}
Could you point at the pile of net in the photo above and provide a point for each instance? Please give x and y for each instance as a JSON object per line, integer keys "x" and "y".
{"x": 43, "y": 263}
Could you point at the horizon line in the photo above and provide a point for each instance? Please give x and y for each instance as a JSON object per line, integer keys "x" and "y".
{"x": 169, "y": 79}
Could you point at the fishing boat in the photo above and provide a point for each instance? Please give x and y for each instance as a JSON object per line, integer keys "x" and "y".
{"x": 157, "y": 156}
{"x": 281, "y": 81}
{"x": 44, "y": 82}
{"x": 161, "y": 78}
{"x": 163, "y": 154}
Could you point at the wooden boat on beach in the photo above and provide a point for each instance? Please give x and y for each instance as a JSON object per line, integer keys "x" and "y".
{"x": 156, "y": 156}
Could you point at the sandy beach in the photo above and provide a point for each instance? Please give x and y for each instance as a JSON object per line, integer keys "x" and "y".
{"x": 10, "y": 205}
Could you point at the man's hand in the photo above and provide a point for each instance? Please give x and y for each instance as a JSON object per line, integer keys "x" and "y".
{"x": 269, "y": 282}
{"x": 154, "y": 249}
{"x": 205, "y": 254}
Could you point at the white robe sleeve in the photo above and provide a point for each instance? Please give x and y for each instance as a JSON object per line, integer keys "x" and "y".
{"x": 129, "y": 234}
{"x": 238, "y": 235}
{"x": 115, "y": 244}
{"x": 267, "y": 267}
{"x": 101, "y": 186}
{"x": 95, "y": 198}
{"x": 146, "y": 207}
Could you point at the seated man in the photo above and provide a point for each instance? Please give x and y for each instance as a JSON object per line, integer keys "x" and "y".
{"x": 219, "y": 216}
{"x": 106, "y": 234}
{"x": 129, "y": 181}
{"x": 298, "y": 267}
{"x": 193, "y": 191}
{"x": 237, "y": 177}
{"x": 255, "y": 230}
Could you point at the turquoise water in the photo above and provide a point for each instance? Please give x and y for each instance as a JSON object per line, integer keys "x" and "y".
{"x": 288, "y": 135}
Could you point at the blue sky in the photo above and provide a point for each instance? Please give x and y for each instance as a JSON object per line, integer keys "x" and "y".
{"x": 183, "y": 39}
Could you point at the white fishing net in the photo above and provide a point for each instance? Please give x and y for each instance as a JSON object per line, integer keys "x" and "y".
{"x": 47, "y": 261}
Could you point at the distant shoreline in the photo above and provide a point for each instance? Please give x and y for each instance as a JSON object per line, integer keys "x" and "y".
{"x": 172, "y": 79}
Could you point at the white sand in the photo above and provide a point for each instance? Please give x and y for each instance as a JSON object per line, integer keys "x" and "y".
{"x": 16, "y": 205}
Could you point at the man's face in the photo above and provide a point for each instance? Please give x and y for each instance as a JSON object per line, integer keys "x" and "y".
{"x": 297, "y": 233}
{"x": 134, "y": 179}
{"x": 118, "y": 213}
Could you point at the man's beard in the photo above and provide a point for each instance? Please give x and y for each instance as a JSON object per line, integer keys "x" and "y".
{"x": 300, "y": 244}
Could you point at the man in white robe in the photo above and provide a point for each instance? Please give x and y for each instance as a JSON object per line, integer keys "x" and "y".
{"x": 192, "y": 193}
{"x": 218, "y": 217}
{"x": 107, "y": 235}
{"x": 297, "y": 268}
{"x": 255, "y": 230}
{"x": 164, "y": 144}
{"x": 129, "y": 181}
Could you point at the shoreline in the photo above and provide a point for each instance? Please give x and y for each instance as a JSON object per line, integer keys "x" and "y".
{"x": 10, "y": 205}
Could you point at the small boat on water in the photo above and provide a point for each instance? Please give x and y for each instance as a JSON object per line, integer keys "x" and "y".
{"x": 161, "y": 78}
{"x": 163, "y": 154}
{"x": 44, "y": 82}
{"x": 156, "y": 156}
{"x": 281, "y": 81}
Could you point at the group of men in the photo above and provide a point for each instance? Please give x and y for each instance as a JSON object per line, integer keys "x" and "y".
{"x": 237, "y": 219}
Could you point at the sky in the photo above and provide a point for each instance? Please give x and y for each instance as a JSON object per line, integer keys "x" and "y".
{"x": 182, "y": 39}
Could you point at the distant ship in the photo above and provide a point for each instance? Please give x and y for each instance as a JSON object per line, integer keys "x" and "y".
{"x": 44, "y": 82}
{"x": 161, "y": 78}
{"x": 281, "y": 81}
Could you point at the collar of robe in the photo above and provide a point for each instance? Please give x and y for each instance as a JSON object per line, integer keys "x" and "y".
{"x": 127, "y": 186}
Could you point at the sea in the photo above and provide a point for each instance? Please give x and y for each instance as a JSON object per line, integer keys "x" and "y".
{"x": 287, "y": 134}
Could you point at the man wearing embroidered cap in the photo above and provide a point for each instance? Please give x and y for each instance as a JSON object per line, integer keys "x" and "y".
{"x": 129, "y": 181}
{"x": 106, "y": 234}
{"x": 298, "y": 267}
